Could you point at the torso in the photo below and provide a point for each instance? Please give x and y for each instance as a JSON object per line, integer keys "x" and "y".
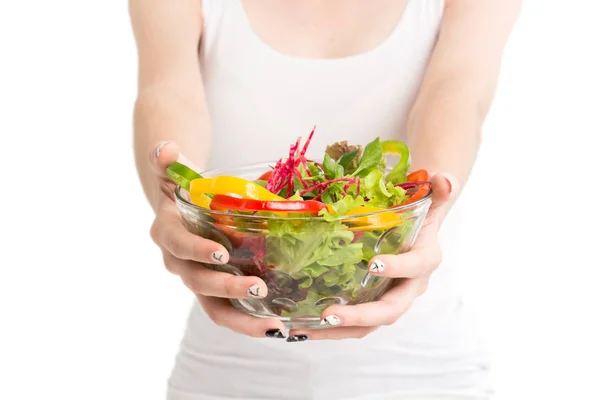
{"x": 265, "y": 96}
{"x": 272, "y": 70}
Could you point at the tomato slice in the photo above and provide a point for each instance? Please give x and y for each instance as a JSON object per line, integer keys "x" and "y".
{"x": 265, "y": 176}
{"x": 418, "y": 176}
{"x": 222, "y": 202}
{"x": 419, "y": 194}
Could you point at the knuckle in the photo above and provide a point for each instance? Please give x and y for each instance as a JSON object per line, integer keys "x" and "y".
{"x": 427, "y": 261}
{"x": 229, "y": 287}
{"x": 154, "y": 229}
{"x": 165, "y": 205}
{"x": 168, "y": 263}
{"x": 422, "y": 259}
{"x": 174, "y": 246}
{"x": 360, "y": 320}
{"x": 419, "y": 265}
{"x": 193, "y": 282}
{"x": 405, "y": 307}
{"x": 423, "y": 287}
{"x": 390, "y": 319}
{"x": 197, "y": 250}
{"x": 362, "y": 333}
{"x": 436, "y": 257}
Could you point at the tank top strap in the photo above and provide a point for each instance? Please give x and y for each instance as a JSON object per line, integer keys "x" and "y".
{"x": 212, "y": 14}
{"x": 423, "y": 14}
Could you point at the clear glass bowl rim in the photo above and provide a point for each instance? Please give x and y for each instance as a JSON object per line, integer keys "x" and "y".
{"x": 189, "y": 204}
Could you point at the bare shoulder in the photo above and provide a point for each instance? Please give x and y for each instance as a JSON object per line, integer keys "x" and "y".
{"x": 166, "y": 22}
{"x": 476, "y": 30}
{"x": 470, "y": 46}
{"x": 167, "y": 35}
{"x": 502, "y": 7}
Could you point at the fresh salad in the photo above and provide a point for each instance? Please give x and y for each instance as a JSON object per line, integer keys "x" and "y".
{"x": 316, "y": 224}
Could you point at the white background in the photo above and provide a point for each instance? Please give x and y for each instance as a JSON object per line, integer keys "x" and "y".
{"x": 88, "y": 312}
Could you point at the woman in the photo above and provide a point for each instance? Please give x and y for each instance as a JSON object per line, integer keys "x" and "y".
{"x": 231, "y": 82}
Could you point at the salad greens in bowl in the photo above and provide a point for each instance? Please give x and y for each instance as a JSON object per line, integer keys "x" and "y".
{"x": 308, "y": 228}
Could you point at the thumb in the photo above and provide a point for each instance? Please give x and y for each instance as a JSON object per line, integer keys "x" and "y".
{"x": 444, "y": 186}
{"x": 164, "y": 154}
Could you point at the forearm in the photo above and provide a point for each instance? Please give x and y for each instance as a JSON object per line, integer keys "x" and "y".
{"x": 444, "y": 131}
{"x": 165, "y": 115}
{"x": 458, "y": 87}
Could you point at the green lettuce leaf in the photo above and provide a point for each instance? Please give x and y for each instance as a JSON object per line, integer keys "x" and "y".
{"x": 332, "y": 169}
{"x": 294, "y": 249}
{"x": 372, "y": 158}
{"x": 296, "y": 196}
{"x": 347, "y": 159}
{"x": 398, "y": 195}
{"x": 380, "y": 193}
{"x": 313, "y": 271}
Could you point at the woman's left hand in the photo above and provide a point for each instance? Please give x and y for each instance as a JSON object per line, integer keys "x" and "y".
{"x": 411, "y": 271}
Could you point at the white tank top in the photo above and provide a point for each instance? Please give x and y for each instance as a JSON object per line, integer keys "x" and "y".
{"x": 259, "y": 97}
{"x": 260, "y": 101}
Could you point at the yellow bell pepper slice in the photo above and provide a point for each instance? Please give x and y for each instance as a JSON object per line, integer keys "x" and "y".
{"x": 201, "y": 200}
{"x": 381, "y": 221}
{"x": 229, "y": 185}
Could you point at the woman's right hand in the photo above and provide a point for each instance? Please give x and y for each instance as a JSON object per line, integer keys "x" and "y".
{"x": 185, "y": 254}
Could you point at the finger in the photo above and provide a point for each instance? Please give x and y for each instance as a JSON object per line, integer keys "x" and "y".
{"x": 420, "y": 261}
{"x": 444, "y": 186}
{"x": 208, "y": 282}
{"x": 354, "y": 332}
{"x": 224, "y": 314}
{"x": 168, "y": 232}
{"x": 164, "y": 154}
{"x": 385, "y": 311}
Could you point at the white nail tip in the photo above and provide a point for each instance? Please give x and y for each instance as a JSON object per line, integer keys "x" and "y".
{"x": 159, "y": 148}
{"x": 330, "y": 320}
{"x": 254, "y": 291}
{"x": 377, "y": 266}
{"x": 217, "y": 256}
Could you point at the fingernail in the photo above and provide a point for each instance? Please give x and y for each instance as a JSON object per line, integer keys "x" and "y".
{"x": 217, "y": 256}
{"x": 451, "y": 181}
{"x": 159, "y": 148}
{"x": 274, "y": 333}
{"x": 331, "y": 320}
{"x": 297, "y": 338}
{"x": 254, "y": 291}
{"x": 377, "y": 266}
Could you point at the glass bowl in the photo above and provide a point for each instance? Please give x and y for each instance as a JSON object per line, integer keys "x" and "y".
{"x": 307, "y": 263}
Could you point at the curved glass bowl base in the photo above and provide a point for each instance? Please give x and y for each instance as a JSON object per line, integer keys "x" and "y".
{"x": 290, "y": 312}
{"x": 305, "y": 314}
